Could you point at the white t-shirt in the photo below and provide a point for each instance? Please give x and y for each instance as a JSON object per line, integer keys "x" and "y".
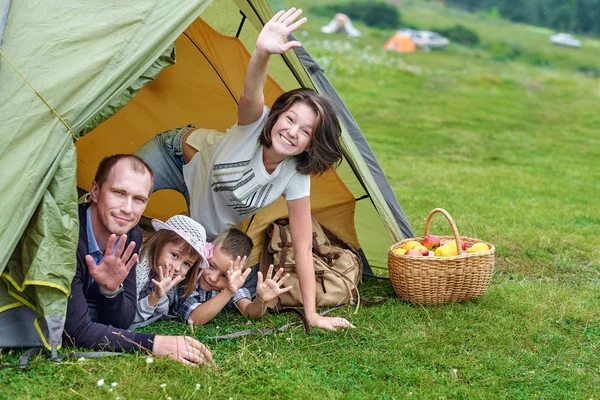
{"x": 227, "y": 180}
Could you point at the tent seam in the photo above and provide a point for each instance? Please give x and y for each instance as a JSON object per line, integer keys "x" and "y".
{"x": 21, "y": 288}
{"x": 38, "y": 94}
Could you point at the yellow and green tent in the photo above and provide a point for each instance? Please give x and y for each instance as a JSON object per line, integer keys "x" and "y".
{"x": 80, "y": 80}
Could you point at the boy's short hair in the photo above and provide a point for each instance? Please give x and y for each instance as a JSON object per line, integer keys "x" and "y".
{"x": 235, "y": 243}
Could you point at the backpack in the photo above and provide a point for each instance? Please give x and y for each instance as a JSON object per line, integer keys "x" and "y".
{"x": 338, "y": 268}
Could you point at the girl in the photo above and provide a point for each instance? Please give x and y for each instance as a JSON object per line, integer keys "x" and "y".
{"x": 266, "y": 154}
{"x": 172, "y": 254}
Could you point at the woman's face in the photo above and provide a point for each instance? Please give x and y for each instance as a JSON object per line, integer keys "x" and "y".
{"x": 293, "y": 130}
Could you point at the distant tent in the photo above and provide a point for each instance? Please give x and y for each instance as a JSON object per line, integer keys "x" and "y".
{"x": 341, "y": 23}
{"x": 401, "y": 43}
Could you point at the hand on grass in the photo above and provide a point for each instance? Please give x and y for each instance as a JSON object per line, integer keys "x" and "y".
{"x": 329, "y": 323}
{"x": 270, "y": 288}
{"x": 184, "y": 349}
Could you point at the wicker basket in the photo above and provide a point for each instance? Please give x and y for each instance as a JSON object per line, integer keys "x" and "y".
{"x": 441, "y": 280}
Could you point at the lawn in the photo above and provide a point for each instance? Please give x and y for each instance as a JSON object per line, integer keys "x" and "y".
{"x": 510, "y": 147}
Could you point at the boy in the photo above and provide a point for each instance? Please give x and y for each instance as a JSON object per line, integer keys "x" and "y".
{"x": 221, "y": 283}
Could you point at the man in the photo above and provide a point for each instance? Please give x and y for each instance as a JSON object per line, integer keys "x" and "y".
{"x": 102, "y": 303}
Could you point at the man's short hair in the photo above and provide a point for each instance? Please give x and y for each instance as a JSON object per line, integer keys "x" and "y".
{"x": 107, "y": 164}
{"x": 235, "y": 243}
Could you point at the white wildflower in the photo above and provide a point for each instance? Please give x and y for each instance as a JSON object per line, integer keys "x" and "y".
{"x": 114, "y": 384}
{"x": 163, "y": 385}
{"x": 149, "y": 360}
{"x": 197, "y": 386}
{"x": 100, "y": 382}
{"x": 81, "y": 359}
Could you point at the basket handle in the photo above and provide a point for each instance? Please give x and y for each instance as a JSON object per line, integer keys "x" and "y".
{"x": 452, "y": 225}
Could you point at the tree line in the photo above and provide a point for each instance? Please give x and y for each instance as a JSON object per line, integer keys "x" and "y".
{"x": 575, "y": 16}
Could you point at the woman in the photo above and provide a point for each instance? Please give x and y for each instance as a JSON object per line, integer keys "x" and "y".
{"x": 226, "y": 178}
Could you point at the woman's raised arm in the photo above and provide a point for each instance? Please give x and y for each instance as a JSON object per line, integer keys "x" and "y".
{"x": 272, "y": 40}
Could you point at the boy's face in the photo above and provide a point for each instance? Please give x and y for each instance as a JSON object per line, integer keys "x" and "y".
{"x": 215, "y": 276}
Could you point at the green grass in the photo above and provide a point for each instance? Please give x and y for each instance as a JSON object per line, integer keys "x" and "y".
{"x": 510, "y": 148}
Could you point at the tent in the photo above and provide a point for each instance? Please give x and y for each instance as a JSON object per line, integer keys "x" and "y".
{"x": 341, "y": 23}
{"x": 118, "y": 73}
{"x": 400, "y": 42}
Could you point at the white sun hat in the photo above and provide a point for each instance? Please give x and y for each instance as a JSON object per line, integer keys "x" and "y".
{"x": 191, "y": 231}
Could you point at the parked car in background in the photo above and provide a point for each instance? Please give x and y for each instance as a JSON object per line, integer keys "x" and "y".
{"x": 426, "y": 40}
{"x": 565, "y": 39}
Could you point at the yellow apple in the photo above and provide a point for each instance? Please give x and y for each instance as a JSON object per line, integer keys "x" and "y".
{"x": 446, "y": 251}
{"x": 411, "y": 244}
{"x": 479, "y": 247}
{"x": 399, "y": 250}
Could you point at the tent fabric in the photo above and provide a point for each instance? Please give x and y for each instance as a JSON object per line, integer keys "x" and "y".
{"x": 401, "y": 43}
{"x": 97, "y": 65}
{"x": 374, "y": 179}
{"x": 55, "y": 78}
{"x": 166, "y": 59}
{"x": 3, "y": 18}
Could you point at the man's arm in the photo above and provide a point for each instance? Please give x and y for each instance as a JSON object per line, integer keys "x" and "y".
{"x": 82, "y": 332}
{"x": 119, "y": 311}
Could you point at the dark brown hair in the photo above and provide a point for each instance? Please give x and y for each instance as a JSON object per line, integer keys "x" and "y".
{"x": 235, "y": 243}
{"x": 107, "y": 164}
{"x": 324, "y": 149}
{"x": 152, "y": 246}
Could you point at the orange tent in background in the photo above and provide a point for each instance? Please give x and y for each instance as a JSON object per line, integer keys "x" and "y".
{"x": 401, "y": 43}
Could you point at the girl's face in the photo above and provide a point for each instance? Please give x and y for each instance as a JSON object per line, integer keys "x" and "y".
{"x": 293, "y": 130}
{"x": 173, "y": 254}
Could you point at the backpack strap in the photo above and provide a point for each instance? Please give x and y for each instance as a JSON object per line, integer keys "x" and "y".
{"x": 285, "y": 244}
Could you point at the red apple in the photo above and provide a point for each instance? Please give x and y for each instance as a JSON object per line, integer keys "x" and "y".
{"x": 424, "y": 250}
{"x": 414, "y": 252}
{"x": 432, "y": 242}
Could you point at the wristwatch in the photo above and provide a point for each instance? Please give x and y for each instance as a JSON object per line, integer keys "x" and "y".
{"x": 110, "y": 295}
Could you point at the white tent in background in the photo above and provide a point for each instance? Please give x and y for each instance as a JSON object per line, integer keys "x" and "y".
{"x": 341, "y": 24}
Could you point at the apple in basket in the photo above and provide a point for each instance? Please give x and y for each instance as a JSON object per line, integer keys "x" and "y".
{"x": 479, "y": 247}
{"x": 400, "y": 251}
{"x": 424, "y": 250}
{"x": 414, "y": 252}
{"x": 411, "y": 244}
{"x": 452, "y": 243}
{"x": 432, "y": 242}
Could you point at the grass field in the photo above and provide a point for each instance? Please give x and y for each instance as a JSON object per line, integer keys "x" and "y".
{"x": 510, "y": 147}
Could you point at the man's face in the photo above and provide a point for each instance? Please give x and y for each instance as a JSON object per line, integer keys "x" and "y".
{"x": 118, "y": 205}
